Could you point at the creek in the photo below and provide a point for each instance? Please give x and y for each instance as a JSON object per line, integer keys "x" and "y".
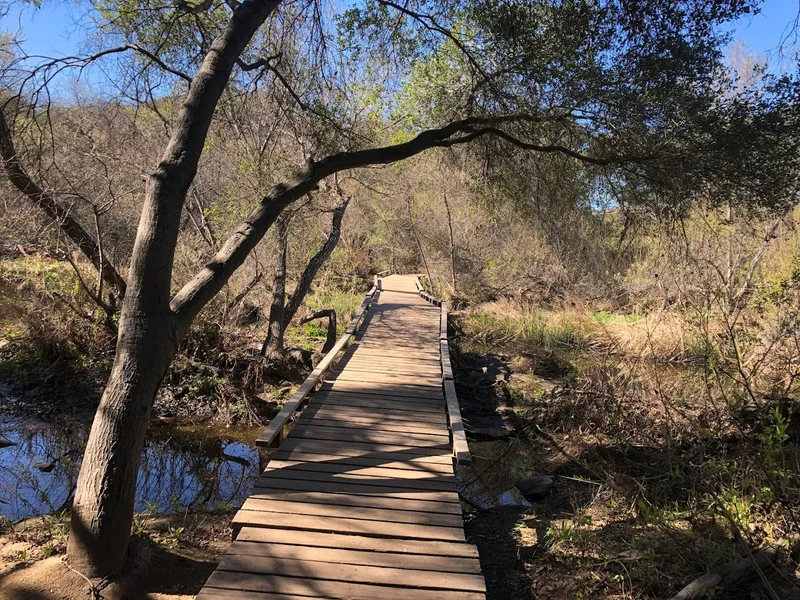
{"x": 182, "y": 467}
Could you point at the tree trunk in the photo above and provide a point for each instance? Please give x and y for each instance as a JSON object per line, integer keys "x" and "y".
{"x": 274, "y": 342}
{"x": 419, "y": 243}
{"x": 149, "y": 330}
{"x": 61, "y": 217}
{"x": 316, "y": 262}
{"x": 452, "y": 245}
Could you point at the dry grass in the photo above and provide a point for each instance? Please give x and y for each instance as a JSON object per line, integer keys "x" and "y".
{"x": 664, "y": 335}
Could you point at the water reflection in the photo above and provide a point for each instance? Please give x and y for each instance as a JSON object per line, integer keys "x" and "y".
{"x": 38, "y": 473}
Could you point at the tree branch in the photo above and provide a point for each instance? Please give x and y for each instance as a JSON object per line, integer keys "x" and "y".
{"x": 205, "y": 285}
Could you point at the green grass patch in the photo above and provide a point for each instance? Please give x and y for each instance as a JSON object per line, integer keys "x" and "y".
{"x": 606, "y": 316}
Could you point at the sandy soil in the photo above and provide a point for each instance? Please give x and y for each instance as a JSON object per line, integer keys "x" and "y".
{"x": 170, "y": 560}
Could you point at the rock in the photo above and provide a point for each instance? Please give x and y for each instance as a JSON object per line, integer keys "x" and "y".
{"x": 45, "y": 467}
{"x": 535, "y": 487}
{"x": 512, "y": 497}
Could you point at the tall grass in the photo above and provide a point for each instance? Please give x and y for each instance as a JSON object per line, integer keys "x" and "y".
{"x": 662, "y": 336}
{"x": 527, "y": 326}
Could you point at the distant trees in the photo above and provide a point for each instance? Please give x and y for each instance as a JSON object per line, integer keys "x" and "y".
{"x": 624, "y": 98}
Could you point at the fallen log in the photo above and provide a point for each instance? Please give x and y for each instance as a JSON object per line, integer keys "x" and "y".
{"x": 727, "y": 575}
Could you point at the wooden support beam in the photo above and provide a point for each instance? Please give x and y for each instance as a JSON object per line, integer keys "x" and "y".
{"x": 447, "y": 367}
{"x": 460, "y": 446}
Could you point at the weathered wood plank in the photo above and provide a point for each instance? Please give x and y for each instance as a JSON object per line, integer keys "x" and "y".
{"x": 339, "y": 411}
{"x": 358, "y": 501}
{"x": 444, "y": 564}
{"x": 377, "y": 451}
{"x": 361, "y": 470}
{"x": 447, "y": 367}
{"x": 355, "y": 542}
{"x": 390, "y": 480}
{"x": 275, "y": 481}
{"x": 345, "y": 525}
{"x": 315, "y": 588}
{"x": 403, "y": 391}
{"x": 390, "y": 515}
{"x": 460, "y": 446}
{"x": 353, "y": 573}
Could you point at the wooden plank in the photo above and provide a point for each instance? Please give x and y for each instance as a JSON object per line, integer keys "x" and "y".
{"x": 460, "y": 445}
{"x": 389, "y": 367}
{"x": 365, "y": 461}
{"x": 388, "y": 378}
{"x": 353, "y": 573}
{"x": 340, "y": 413}
{"x": 381, "y": 402}
{"x": 378, "y": 424}
{"x": 361, "y": 346}
{"x": 379, "y": 399}
{"x": 394, "y": 482}
{"x": 443, "y": 322}
{"x": 377, "y": 363}
{"x": 351, "y": 329}
{"x": 334, "y": 467}
{"x": 397, "y": 402}
{"x": 358, "y": 501}
{"x": 413, "y": 442}
{"x": 391, "y": 515}
{"x": 344, "y": 525}
{"x": 399, "y": 560}
{"x": 315, "y": 588}
{"x": 355, "y": 542}
{"x": 447, "y": 367}
{"x": 375, "y": 451}
{"x": 209, "y": 593}
{"x": 269, "y": 484}
{"x": 403, "y": 391}
{"x": 368, "y": 416}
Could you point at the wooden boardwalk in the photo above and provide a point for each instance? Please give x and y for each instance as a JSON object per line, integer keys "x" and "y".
{"x": 359, "y": 501}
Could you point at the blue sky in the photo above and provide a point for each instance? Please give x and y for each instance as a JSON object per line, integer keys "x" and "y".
{"x": 55, "y": 29}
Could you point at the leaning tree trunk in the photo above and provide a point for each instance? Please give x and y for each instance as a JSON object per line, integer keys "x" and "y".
{"x": 149, "y": 327}
{"x": 316, "y": 262}
{"x": 274, "y": 342}
{"x": 47, "y": 203}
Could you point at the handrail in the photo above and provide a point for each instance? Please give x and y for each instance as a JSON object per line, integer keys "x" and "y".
{"x": 460, "y": 446}
{"x": 273, "y": 434}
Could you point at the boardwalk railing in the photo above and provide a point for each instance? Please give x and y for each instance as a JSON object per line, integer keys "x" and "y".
{"x": 460, "y": 446}
{"x": 273, "y": 434}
